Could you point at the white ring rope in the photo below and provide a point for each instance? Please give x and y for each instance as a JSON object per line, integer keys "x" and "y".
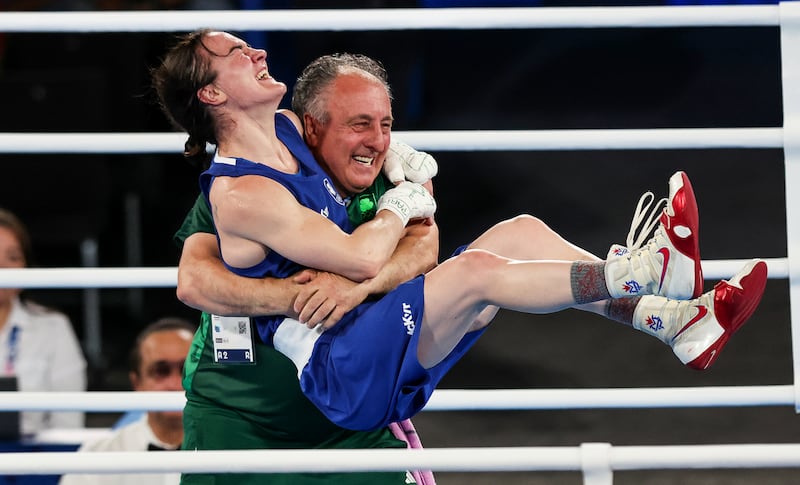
{"x": 167, "y": 277}
{"x": 443, "y": 399}
{"x": 392, "y": 19}
{"x": 445, "y": 140}
{"x": 561, "y": 458}
{"x": 161, "y": 277}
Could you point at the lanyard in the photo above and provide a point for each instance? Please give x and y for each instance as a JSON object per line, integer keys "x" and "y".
{"x": 13, "y": 338}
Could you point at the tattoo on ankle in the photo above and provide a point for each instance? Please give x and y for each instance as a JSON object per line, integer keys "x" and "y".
{"x": 588, "y": 280}
{"x": 621, "y": 309}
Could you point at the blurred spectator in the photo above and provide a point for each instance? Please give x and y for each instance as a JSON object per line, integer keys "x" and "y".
{"x": 37, "y": 344}
{"x": 156, "y": 364}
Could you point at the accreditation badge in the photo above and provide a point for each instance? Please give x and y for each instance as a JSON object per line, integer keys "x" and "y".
{"x": 233, "y": 340}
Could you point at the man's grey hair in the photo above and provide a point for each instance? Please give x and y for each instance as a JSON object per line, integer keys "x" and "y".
{"x": 309, "y": 90}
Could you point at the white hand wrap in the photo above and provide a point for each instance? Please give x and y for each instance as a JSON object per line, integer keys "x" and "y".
{"x": 409, "y": 201}
{"x": 404, "y": 163}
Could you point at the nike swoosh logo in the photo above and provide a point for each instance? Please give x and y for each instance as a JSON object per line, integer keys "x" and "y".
{"x": 702, "y": 311}
{"x": 710, "y": 358}
{"x": 665, "y": 253}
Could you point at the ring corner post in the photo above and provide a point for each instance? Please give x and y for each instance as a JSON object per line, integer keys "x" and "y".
{"x": 790, "y": 68}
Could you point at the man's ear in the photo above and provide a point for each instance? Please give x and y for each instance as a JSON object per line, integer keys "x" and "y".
{"x": 210, "y": 94}
{"x": 311, "y": 128}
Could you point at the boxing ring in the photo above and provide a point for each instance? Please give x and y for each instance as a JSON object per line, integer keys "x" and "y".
{"x": 597, "y": 461}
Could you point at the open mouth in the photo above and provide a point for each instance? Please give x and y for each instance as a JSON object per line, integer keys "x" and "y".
{"x": 263, "y": 74}
{"x": 364, "y": 160}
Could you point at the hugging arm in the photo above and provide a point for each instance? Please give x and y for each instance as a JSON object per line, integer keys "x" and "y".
{"x": 205, "y": 284}
{"x": 328, "y": 297}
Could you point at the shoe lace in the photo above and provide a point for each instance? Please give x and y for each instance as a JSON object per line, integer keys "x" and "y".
{"x": 643, "y": 221}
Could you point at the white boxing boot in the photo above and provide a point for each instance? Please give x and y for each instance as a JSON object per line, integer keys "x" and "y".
{"x": 698, "y": 329}
{"x": 669, "y": 263}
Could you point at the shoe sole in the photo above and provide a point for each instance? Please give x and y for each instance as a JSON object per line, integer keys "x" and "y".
{"x": 682, "y": 196}
{"x": 743, "y": 294}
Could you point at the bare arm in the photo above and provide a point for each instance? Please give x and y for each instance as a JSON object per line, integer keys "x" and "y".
{"x": 255, "y": 214}
{"x": 328, "y": 297}
{"x": 416, "y": 253}
{"x": 205, "y": 284}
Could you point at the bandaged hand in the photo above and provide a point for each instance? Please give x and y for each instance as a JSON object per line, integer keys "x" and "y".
{"x": 408, "y": 201}
{"x": 404, "y": 163}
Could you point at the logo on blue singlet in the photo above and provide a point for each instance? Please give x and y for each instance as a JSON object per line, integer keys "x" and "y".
{"x": 408, "y": 320}
{"x": 332, "y": 190}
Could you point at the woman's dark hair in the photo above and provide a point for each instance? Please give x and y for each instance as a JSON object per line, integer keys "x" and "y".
{"x": 182, "y": 72}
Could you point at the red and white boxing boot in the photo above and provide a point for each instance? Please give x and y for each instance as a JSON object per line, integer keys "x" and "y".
{"x": 669, "y": 263}
{"x": 698, "y": 329}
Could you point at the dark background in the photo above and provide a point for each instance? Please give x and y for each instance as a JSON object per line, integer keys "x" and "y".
{"x": 484, "y": 79}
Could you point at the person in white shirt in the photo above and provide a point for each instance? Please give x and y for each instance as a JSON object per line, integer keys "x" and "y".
{"x": 37, "y": 344}
{"x": 156, "y": 364}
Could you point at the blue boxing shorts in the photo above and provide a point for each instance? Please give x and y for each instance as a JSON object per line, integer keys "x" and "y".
{"x": 363, "y": 373}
